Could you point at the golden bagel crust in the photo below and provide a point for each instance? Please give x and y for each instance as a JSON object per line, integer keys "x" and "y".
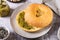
{"x": 45, "y": 18}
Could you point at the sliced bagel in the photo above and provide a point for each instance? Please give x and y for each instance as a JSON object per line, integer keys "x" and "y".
{"x": 33, "y": 29}
{"x": 30, "y": 20}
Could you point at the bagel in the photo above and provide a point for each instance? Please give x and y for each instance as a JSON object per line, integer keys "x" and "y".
{"x": 36, "y": 17}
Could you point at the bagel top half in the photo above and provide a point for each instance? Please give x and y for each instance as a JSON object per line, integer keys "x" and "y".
{"x": 36, "y": 17}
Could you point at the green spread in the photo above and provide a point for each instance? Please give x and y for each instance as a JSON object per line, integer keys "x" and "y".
{"x": 22, "y": 23}
{"x": 4, "y": 9}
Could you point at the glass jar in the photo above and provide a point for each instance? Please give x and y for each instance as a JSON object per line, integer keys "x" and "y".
{"x": 4, "y": 8}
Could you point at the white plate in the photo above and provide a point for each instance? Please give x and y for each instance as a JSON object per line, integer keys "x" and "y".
{"x": 22, "y": 32}
{"x": 58, "y": 34}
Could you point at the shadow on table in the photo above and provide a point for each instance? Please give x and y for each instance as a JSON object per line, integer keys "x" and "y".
{"x": 11, "y": 11}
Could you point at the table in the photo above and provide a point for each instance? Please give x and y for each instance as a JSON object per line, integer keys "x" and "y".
{"x": 51, "y": 35}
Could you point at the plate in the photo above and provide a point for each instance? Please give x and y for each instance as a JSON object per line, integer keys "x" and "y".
{"x": 21, "y": 32}
{"x": 58, "y": 34}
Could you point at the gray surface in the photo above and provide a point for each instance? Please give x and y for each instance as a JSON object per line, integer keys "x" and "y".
{"x": 51, "y": 35}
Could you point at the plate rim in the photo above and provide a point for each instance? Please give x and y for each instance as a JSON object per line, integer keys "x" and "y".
{"x": 58, "y": 33}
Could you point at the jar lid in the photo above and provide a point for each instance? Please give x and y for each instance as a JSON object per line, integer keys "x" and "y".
{"x": 14, "y": 1}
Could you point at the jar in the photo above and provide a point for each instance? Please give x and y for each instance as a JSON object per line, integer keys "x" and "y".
{"x": 4, "y": 9}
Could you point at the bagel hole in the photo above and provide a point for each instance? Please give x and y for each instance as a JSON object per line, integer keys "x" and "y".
{"x": 38, "y": 13}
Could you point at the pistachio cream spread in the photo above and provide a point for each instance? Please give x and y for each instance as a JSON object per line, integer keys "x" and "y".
{"x": 22, "y": 22}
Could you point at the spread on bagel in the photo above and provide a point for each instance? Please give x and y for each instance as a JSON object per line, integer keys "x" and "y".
{"x": 35, "y": 17}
